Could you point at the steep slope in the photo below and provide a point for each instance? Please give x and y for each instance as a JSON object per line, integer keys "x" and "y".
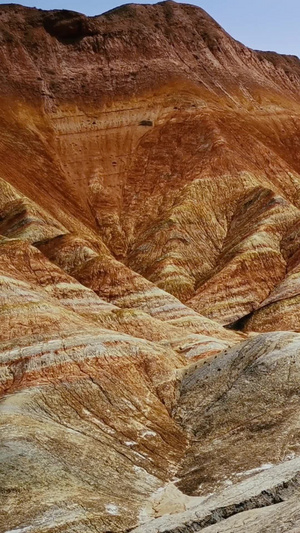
{"x": 246, "y": 396}
{"x": 149, "y": 196}
{"x": 166, "y": 111}
{"x": 61, "y": 382}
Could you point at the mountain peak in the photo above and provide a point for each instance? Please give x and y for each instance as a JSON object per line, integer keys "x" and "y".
{"x": 149, "y": 274}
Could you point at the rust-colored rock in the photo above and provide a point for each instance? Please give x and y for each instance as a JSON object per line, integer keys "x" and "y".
{"x": 149, "y": 232}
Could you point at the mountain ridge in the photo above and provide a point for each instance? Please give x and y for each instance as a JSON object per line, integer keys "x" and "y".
{"x": 149, "y": 273}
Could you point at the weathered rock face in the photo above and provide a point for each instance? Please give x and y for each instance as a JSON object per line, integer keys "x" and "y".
{"x": 149, "y": 196}
{"x": 268, "y": 501}
{"x": 157, "y": 107}
{"x": 236, "y": 401}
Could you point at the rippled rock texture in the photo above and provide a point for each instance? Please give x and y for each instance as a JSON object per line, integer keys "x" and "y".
{"x": 149, "y": 273}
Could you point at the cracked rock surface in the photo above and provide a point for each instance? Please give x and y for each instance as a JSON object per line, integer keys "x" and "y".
{"x": 149, "y": 275}
{"x": 266, "y": 500}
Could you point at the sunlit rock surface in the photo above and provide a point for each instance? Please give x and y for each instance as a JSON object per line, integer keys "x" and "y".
{"x": 149, "y": 275}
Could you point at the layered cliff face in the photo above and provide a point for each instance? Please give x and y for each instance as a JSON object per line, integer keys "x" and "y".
{"x": 149, "y": 271}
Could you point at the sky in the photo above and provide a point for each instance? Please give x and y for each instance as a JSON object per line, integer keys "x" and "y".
{"x": 259, "y": 24}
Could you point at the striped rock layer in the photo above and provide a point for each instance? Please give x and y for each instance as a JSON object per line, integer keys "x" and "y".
{"x": 149, "y": 273}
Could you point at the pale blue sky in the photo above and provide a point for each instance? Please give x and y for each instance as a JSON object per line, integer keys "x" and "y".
{"x": 260, "y": 24}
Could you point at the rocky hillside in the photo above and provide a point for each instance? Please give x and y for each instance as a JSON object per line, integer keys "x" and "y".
{"x": 150, "y": 275}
